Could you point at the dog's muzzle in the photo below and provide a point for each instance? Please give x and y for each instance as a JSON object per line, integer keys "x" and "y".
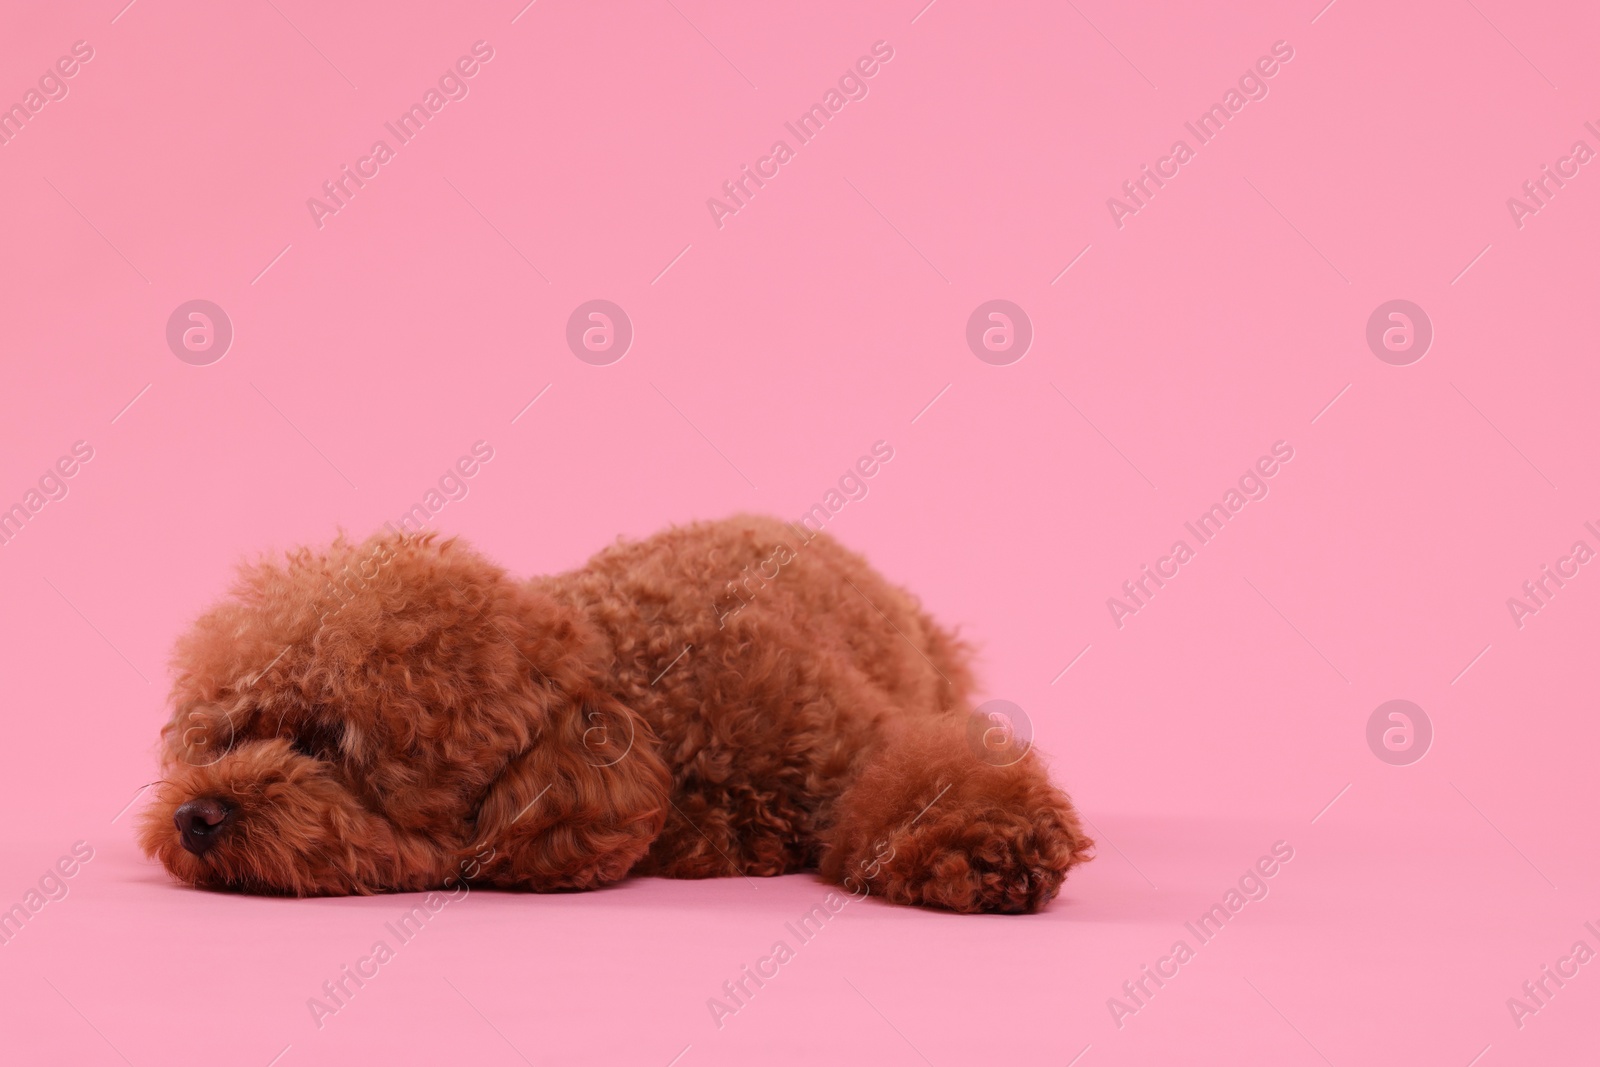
{"x": 200, "y": 822}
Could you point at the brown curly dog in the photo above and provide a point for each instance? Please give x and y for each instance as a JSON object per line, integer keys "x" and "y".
{"x": 735, "y": 697}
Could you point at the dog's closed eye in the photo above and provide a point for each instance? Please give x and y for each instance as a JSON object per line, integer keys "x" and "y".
{"x": 318, "y": 740}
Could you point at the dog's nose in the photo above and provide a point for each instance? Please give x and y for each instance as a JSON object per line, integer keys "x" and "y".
{"x": 199, "y": 823}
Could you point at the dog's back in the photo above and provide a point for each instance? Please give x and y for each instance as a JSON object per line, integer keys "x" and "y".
{"x": 767, "y": 659}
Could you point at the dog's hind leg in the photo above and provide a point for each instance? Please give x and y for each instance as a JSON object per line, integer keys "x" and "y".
{"x": 938, "y": 818}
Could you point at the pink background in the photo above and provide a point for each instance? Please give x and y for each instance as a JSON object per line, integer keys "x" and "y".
{"x": 824, "y": 316}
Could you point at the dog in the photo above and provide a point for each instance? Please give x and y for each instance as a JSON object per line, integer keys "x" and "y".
{"x": 740, "y": 697}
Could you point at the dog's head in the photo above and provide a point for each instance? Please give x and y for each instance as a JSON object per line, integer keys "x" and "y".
{"x": 398, "y": 715}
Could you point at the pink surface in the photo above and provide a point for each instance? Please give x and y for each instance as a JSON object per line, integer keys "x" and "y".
{"x": 1172, "y": 347}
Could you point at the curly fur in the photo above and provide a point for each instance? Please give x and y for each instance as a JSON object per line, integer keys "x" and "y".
{"x": 735, "y": 697}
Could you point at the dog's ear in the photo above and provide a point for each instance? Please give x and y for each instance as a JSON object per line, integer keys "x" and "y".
{"x": 580, "y": 807}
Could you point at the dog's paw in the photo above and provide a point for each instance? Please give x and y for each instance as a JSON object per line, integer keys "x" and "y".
{"x": 993, "y": 861}
{"x": 927, "y": 823}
